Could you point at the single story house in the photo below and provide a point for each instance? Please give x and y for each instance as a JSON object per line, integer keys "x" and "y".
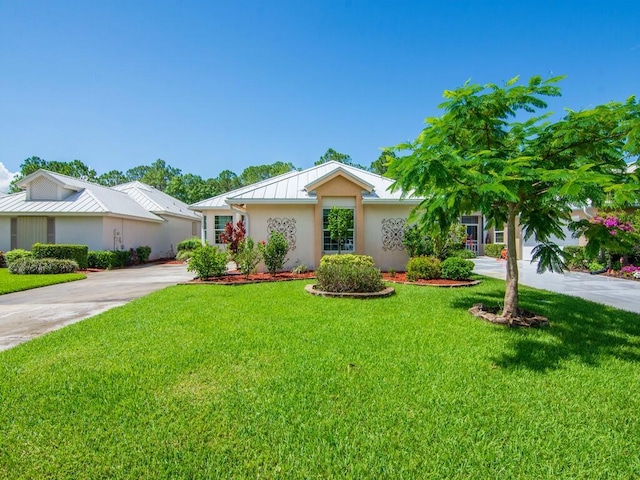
{"x": 55, "y": 208}
{"x": 297, "y": 204}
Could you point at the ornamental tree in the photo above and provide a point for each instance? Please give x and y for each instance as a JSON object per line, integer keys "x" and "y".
{"x": 340, "y": 222}
{"x": 491, "y": 152}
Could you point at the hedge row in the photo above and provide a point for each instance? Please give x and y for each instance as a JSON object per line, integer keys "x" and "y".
{"x": 62, "y": 252}
{"x": 41, "y": 266}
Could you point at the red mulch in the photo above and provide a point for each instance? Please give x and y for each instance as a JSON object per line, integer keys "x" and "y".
{"x": 401, "y": 277}
{"x": 238, "y": 278}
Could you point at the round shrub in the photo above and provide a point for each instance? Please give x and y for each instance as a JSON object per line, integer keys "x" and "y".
{"x": 348, "y": 273}
{"x": 15, "y": 254}
{"x": 189, "y": 244}
{"x": 455, "y": 268}
{"x": 42, "y": 266}
{"x": 425, "y": 268}
{"x": 208, "y": 261}
{"x": 143, "y": 252}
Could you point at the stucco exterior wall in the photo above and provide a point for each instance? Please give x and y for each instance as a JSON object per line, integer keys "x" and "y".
{"x": 80, "y": 231}
{"x": 173, "y": 231}
{"x": 301, "y": 216}
{"x": 5, "y": 234}
{"x": 387, "y": 251}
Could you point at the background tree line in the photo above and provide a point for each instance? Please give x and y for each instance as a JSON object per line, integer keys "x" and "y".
{"x": 188, "y": 187}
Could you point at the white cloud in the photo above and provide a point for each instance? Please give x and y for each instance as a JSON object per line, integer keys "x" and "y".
{"x": 5, "y": 178}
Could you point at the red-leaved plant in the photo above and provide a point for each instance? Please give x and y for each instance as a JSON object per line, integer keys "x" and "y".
{"x": 233, "y": 235}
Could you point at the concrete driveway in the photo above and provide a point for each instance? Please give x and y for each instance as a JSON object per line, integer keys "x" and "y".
{"x": 31, "y": 313}
{"x": 615, "y": 292}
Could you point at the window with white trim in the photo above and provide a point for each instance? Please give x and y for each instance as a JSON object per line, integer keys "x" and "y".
{"x": 331, "y": 246}
{"x": 220, "y": 221}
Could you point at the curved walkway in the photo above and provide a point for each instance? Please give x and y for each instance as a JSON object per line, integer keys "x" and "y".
{"x": 31, "y": 313}
{"x": 615, "y": 292}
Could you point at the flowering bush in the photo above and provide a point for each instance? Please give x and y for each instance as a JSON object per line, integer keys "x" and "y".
{"x": 613, "y": 224}
{"x": 274, "y": 252}
{"x": 630, "y": 271}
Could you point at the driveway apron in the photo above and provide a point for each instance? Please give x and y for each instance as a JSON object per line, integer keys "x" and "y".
{"x": 31, "y": 313}
{"x": 615, "y": 292}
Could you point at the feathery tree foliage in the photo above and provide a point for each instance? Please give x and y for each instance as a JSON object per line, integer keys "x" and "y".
{"x": 490, "y": 152}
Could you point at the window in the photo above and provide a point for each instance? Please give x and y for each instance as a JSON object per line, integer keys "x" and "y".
{"x": 331, "y": 246}
{"x": 220, "y": 222}
{"x": 204, "y": 228}
{"x": 498, "y": 234}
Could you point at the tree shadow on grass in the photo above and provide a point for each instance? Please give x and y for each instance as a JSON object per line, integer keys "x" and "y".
{"x": 579, "y": 330}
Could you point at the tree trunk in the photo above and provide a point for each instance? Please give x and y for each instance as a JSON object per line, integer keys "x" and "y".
{"x": 511, "y": 287}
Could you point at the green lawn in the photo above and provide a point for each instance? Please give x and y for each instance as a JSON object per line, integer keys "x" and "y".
{"x": 10, "y": 283}
{"x": 267, "y": 381}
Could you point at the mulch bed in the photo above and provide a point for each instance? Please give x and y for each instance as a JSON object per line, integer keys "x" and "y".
{"x": 236, "y": 278}
{"x": 401, "y": 277}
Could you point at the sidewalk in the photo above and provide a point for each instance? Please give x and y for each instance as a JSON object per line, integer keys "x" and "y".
{"x": 615, "y": 292}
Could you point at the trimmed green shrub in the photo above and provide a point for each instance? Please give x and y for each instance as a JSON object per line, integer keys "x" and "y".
{"x": 494, "y": 249}
{"x": 184, "y": 255}
{"x": 3, "y": 262}
{"x": 348, "y": 273}
{"x": 121, "y": 258}
{"x": 100, "y": 259}
{"x": 15, "y": 254}
{"x": 423, "y": 267}
{"x": 463, "y": 253}
{"x": 62, "y": 252}
{"x": 208, "y": 261}
{"x": 189, "y": 244}
{"x": 274, "y": 252}
{"x": 143, "y": 252}
{"x": 42, "y": 266}
{"x": 455, "y": 268}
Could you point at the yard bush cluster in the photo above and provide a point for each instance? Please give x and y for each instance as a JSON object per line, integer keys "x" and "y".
{"x": 186, "y": 247}
{"x": 78, "y": 253}
{"x": 494, "y": 249}
{"x": 16, "y": 254}
{"x": 208, "y": 261}
{"x": 40, "y": 266}
{"x": 348, "y": 273}
{"x": 3, "y": 262}
{"x": 457, "y": 268}
{"x": 423, "y": 268}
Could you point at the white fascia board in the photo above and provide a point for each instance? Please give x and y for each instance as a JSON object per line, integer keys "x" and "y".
{"x": 393, "y": 201}
{"x": 267, "y": 201}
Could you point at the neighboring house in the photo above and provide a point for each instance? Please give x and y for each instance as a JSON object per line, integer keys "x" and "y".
{"x": 297, "y": 204}
{"x": 55, "y": 208}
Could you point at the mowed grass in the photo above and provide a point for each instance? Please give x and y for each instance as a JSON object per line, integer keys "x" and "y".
{"x": 266, "y": 381}
{"x": 10, "y": 283}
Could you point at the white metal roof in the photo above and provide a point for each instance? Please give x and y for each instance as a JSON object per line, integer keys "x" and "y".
{"x": 297, "y": 187}
{"x": 88, "y": 198}
{"x": 156, "y": 201}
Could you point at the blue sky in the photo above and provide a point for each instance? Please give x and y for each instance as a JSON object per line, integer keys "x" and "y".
{"x": 215, "y": 85}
